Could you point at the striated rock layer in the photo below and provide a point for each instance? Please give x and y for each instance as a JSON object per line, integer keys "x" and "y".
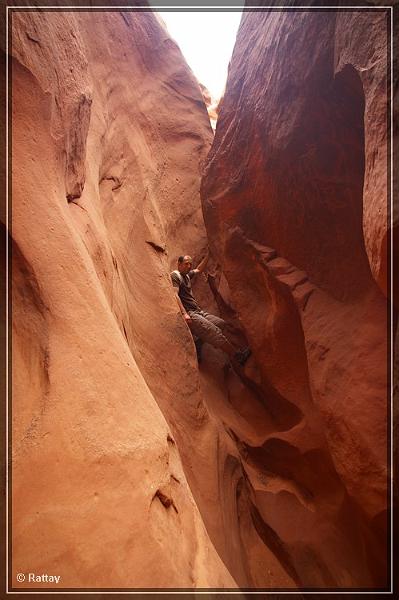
{"x": 295, "y": 205}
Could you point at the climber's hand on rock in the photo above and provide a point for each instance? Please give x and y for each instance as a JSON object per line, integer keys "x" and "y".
{"x": 187, "y": 317}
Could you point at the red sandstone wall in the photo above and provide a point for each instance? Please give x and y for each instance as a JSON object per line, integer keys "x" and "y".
{"x": 125, "y": 472}
{"x": 131, "y": 466}
{"x": 109, "y": 131}
{"x": 295, "y": 205}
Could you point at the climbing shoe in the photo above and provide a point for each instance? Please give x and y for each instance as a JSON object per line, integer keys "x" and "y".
{"x": 242, "y": 356}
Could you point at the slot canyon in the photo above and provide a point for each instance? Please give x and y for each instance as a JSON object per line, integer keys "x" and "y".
{"x": 134, "y": 466}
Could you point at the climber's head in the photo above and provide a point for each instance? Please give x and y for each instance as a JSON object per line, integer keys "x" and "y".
{"x": 184, "y": 264}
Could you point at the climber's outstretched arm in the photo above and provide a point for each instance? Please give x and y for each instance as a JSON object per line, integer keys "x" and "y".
{"x": 202, "y": 266}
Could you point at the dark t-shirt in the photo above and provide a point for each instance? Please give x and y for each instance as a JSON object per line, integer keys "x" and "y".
{"x": 183, "y": 283}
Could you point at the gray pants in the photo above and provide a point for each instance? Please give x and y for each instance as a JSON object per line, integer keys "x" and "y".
{"x": 208, "y": 328}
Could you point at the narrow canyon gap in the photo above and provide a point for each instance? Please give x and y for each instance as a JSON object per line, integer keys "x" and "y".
{"x": 132, "y": 466}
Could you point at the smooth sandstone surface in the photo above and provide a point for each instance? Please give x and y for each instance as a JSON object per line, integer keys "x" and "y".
{"x": 295, "y": 205}
{"x": 109, "y": 133}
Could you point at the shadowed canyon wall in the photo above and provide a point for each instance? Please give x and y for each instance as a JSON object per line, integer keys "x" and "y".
{"x": 295, "y": 205}
{"x": 133, "y": 466}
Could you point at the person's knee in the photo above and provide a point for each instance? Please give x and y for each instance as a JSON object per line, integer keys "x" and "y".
{"x": 217, "y": 321}
{"x": 210, "y": 333}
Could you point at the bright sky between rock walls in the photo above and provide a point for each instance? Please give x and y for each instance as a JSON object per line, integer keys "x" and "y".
{"x": 206, "y": 40}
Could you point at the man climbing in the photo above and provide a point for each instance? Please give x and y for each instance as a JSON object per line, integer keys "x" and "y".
{"x": 208, "y": 328}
